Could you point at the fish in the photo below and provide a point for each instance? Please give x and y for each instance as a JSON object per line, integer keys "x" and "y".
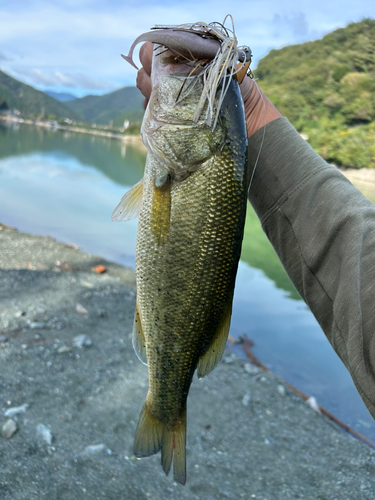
{"x": 191, "y": 206}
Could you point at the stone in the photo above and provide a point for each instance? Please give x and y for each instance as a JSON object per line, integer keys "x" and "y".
{"x": 246, "y": 399}
{"x": 44, "y": 434}
{"x": 281, "y": 390}
{"x": 35, "y": 325}
{"x": 312, "y": 402}
{"x": 82, "y": 341}
{"x": 81, "y": 309}
{"x": 63, "y": 349}
{"x": 9, "y": 428}
{"x": 250, "y": 368}
{"x": 94, "y": 449}
{"x": 12, "y": 412}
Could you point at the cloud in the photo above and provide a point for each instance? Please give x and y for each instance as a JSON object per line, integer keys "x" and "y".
{"x": 296, "y": 22}
{"x": 38, "y": 77}
{"x": 81, "y": 80}
{"x": 70, "y": 43}
{"x": 63, "y": 79}
{"x": 58, "y": 79}
{"x": 84, "y": 81}
{"x": 3, "y": 57}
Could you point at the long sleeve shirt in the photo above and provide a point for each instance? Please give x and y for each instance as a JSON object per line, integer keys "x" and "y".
{"x": 323, "y": 230}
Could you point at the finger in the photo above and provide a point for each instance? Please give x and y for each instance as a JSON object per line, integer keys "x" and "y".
{"x": 145, "y": 56}
{"x": 144, "y": 82}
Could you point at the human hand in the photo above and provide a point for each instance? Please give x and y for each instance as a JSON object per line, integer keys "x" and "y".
{"x": 144, "y": 74}
{"x": 258, "y": 109}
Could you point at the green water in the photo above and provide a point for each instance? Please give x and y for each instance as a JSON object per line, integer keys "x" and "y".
{"x": 66, "y": 185}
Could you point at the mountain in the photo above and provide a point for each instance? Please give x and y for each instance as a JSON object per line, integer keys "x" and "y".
{"x": 17, "y": 95}
{"x": 60, "y": 96}
{"x": 123, "y": 104}
{"x": 327, "y": 90}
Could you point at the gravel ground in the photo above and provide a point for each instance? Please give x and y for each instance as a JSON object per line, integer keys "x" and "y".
{"x": 66, "y": 353}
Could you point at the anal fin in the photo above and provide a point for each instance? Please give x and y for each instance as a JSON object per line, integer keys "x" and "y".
{"x": 130, "y": 204}
{"x": 139, "y": 341}
{"x": 212, "y": 356}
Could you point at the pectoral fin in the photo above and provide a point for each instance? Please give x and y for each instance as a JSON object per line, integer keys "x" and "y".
{"x": 212, "y": 356}
{"x": 139, "y": 341}
{"x": 130, "y": 204}
{"x": 161, "y": 209}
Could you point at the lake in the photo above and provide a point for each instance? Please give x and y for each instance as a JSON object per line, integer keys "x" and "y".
{"x": 66, "y": 185}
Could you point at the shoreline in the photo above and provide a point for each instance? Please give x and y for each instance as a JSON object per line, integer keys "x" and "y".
{"x": 66, "y": 353}
{"x": 362, "y": 175}
{"x": 132, "y": 139}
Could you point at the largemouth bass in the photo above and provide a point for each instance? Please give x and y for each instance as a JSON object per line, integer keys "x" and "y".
{"x": 192, "y": 208}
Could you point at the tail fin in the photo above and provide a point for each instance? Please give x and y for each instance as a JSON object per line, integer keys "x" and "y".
{"x": 152, "y": 435}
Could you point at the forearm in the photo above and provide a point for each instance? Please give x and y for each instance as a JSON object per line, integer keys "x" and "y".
{"x": 323, "y": 230}
{"x": 258, "y": 109}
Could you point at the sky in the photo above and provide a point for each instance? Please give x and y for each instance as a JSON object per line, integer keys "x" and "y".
{"x": 74, "y": 46}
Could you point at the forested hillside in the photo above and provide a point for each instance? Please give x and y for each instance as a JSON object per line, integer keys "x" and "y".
{"x": 327, "y": 90}
{"x": 17, "y": 95}
{"x": 120, "y": 105}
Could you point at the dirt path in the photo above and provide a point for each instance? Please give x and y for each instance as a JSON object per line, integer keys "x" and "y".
{"x": 248, "y": 436}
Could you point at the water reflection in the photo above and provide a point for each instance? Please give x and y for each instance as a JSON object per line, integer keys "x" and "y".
{"x": 66, "y": 185}
{"x": 124, "y": 165}
{"x": 102, "y": 153}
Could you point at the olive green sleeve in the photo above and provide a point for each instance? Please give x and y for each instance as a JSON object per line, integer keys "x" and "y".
{"x": 323, "y": 230}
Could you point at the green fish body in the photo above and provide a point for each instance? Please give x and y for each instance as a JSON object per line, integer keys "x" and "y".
{"x": 192, "y": 212}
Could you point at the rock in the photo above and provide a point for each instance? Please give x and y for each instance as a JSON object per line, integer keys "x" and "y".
{"x": 281, "y": 390}
{"x": 3, "y": 338}
{"x": 87, "y": 284}
{"x": 94, "y": 449}
{"x": 12, "y": 412}
{"x": 312, "y": 402}
{"x": 63, "y": 265}
{"x": 63, "y": 349}
{"x": 82, "y": 341}
{"x": 9, "y": 428}
{"x": 250, "y": 368}
{"x": 230, "y": 358}
{"x": 100, "y": 269}
{"x": 81, "y": 309}
{"x": 246, "y": 399}
{"x": 35, "y": 325}
{"x": 44, "y": 434}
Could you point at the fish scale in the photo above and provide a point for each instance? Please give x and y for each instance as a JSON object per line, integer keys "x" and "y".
{"x": 185, "y": 285}
{"x": 192, "y": 212}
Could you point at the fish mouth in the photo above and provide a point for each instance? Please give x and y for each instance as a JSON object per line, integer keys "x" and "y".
{"x": 212, "y": 48}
